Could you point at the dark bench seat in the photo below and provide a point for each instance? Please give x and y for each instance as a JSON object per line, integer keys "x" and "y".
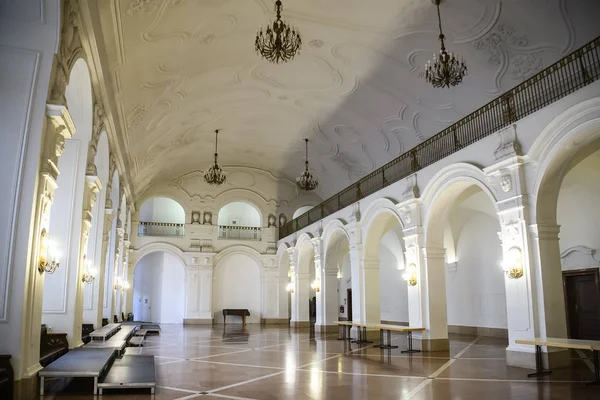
{"x": 6, "y": 378}
{"x": 52, "y": 346}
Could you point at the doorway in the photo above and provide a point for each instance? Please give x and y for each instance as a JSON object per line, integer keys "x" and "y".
{"x": 349, "y": 297}
{"x": 582, "y": 303}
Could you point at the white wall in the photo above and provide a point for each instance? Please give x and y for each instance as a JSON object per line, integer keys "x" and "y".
{"x": 237, "y": 284}
{"x": 393, "y": 289}
{"x": 239, "y": 213}
{"x": 475, "y": 291}
{"x": 162, "y": 209}
{"x": 158, "y": 293}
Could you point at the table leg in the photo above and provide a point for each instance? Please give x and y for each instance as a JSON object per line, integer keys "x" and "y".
{"x": 224, "y": 319}
{"x": 389, "y": 337}
{"x": 95, "y": 385}
{"x": 41, "y": 385}
{"x": 539, "y": 363}
{"x": 410, "y": 344}
{"x": 596, "y": 369}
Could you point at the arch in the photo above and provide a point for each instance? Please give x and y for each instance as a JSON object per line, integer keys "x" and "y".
{"x": 239, "y": 249}
{"x": 162, "y": 209}
{"x": 78, "y": 94}
{"x": 379, "y": 218}
{"x": 245, "y": 196}
{"x": 566, "y": 140}
{"x": 332, "y": 230}
{"x": 442, "y": 191}
{"x": 153, "y": 247}
{"x": 303, "y": 238}
{"x": 237, "y": 209}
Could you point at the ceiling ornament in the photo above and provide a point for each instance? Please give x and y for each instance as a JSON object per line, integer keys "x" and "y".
{"x": 279, "y": 43}
{"x": 215, "y": 175}
{"x": 306, "y": 181}
{"x": 444, "y": 70}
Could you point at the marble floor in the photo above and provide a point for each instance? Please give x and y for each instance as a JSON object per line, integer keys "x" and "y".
{"x": 267, "y": 363}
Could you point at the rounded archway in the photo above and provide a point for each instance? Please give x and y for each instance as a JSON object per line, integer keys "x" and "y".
{"x": 337, "y": 304}
{"x": 162, "y": 210}
{"x": 301, "y": 211}
{"x": 158, "y": 294}
{"x": 239, "y": 213}
{"x": 237, "y": 284}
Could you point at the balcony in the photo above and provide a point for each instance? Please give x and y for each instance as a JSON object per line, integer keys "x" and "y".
{"x": 575, "y": 71}
{"x": 163, "y": 229}
{"x": 235, "y": 232}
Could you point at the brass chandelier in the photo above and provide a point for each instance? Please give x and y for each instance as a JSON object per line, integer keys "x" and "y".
{"x": 444, "y": 70}
{"x": 279, "y": 42}
{"x": 306, "y": 181}
{"x": 215, "y": 175}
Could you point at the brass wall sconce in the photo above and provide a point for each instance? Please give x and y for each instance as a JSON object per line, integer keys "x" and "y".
{"x": 48, "y": 259}
{"x": 121, "y": 284}
{"x": 410, "y": 275}
{"x": 513, "y": 263}
{"x": 89, "y": 273}
{"x": 316, "y": 285}
{"x": 290, "y": 287}
{"x": 339, "y": 274}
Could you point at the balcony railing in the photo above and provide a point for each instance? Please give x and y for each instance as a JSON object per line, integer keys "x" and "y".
{"x": 235, "y": 232}
{"x": 160, "y": 229}
{"x": 578, "y": 69}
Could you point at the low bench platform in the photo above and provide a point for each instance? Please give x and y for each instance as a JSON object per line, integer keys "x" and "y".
{"x": 137, "y": 341}
{"x": 141, "y": 332}
{"x": 577, "y": 344}
{"x": 79, "y": 363}
{"x": 117, "y": 345}
{"x": 105, "y": 332}
{"x": 151, "y": 328}
{"x": 130, "y": 372}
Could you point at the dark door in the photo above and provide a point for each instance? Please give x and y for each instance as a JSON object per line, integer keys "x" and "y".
{"x": 582, "y": 301}
{"x": 349, "y": 297}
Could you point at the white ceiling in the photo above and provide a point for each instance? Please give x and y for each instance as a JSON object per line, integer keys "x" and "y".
{"x": 182, "y": 68}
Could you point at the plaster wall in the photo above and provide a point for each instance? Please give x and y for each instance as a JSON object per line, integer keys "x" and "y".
{"x": 237, "y": 284}
{"x": 240, "y": 214}
{"x": 345, "y": 283}
{"x": 393, "y": 290}
{"x": 162, "y": 209}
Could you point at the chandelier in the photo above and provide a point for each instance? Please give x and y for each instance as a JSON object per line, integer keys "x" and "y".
{"x": 445, "y": 69}
{"x": 306, "y": 181}
{"x": 215, "y": 175}
{"x": 279, "y": 42}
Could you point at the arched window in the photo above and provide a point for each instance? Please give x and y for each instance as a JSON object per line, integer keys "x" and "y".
{"x": 161, "y": 216}
{"x": 301, "y": 211}
{"x": 239, "y": 221}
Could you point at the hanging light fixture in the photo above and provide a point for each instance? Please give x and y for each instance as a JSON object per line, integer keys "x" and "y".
{"x": 306, "y": 181}
{"x": 215, "y": 175}
{"x": 279, "y": 42}
{"x": 445, "y": 69}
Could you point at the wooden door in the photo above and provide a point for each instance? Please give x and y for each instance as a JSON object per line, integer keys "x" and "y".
{"x": 582, "y": 302}
{"x": 349, "y": 297}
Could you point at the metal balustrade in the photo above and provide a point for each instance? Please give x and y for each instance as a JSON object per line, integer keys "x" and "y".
{"x": 573, "y": 72}
{"x": 235, "y": 232}
{"x": 160, "y": 229}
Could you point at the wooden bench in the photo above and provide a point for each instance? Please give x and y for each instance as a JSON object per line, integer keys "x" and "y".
{"x": 6, "y": 378}
{"x": 105, "y": 332}
{"x": 52, "y": 346}
{"x": 396, "y": 328}
{"x": 576, "y": 344}
{"x": 86, "y": 329}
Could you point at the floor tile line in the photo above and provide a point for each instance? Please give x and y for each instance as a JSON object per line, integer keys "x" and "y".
{"x": 222, "y": 354}
{"x": 245, "y": 382}
{"x": 224, "y": 396}
{"x": 441, "y": 369}
{"x": 587, "y": 362}
{"x": 362, "y": 374}
{"x": 237, "y": 365}
{"x": 463, "y": 351}
{"x": 536, "y": 381}
{"x": 177, "y": 389}
{"x": 417, "y": 389}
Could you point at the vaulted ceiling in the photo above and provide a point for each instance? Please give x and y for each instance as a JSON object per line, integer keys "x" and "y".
{"x": 179, "y": 69}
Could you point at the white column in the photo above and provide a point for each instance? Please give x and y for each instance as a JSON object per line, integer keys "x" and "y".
{"x": 269, "y": 289}
{"x": 432, "y": 278}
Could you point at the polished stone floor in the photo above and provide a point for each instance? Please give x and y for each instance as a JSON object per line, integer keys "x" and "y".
{"x": 278, "y": 363}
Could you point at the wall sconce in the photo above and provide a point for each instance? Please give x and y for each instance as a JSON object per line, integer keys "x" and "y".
{"x": 339, "y": 274}
{"x": 410, "y": 275}
{"x": 89, "y": 273}
{"x": 290, "y": 287}
{"x": 513, "y": 263}
{"x": 121, "y": 284}
{"x": 316, "y": 285}
{"x": 48, "y": 259}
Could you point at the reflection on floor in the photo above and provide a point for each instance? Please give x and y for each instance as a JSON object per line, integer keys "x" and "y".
{"x": 278, "y": 363}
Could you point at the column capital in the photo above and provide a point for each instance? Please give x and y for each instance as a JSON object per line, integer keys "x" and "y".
{"x": 545, "y": 231}
{"x": 431, "y": 252}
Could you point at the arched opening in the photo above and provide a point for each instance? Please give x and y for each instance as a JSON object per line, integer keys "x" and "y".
{"x": 578, "y": 217}
{"x": 62, "y": 307}
{"x": 158, "y": 294}
{"x": 161, "y": 216}
{"x": 237, "y": 284}
{"x": 304, "y": 297}
{"x": 301, "y": 211}
{"x": 470, "y": 281}
{"x": 337, "y": 304}
{"x": 239, "y": 220}
{"x": 92, "y": 313}
{"x": 385, "y": 292}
